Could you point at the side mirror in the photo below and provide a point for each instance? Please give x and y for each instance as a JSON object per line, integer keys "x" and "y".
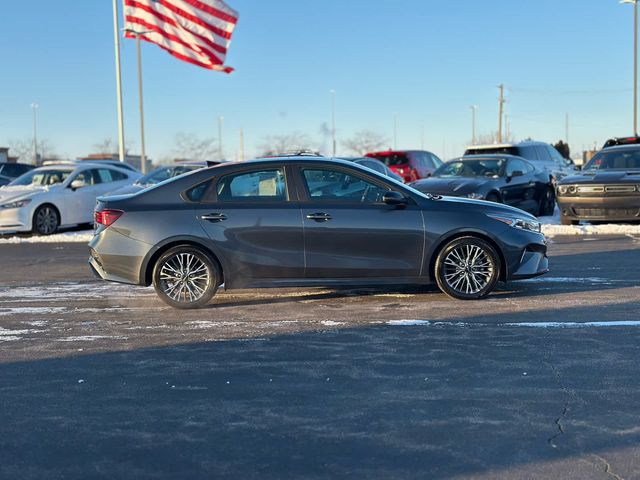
{"x": 517, "y": 173}
{"x": 395, "y": 198}
{"x": 76, "y": 184}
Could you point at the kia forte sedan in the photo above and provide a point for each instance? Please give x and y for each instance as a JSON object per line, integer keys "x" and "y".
{"x": 305, "y": 221}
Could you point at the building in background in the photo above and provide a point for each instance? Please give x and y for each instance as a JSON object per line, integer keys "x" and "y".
{"x": 5, "y": 157}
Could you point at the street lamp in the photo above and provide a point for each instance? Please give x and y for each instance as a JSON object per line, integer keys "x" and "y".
{"x": 473, "y": 123}
{"x": 333, "y": 121}
{"x": 635, "y": 64}
{"x": 34, "y": 108}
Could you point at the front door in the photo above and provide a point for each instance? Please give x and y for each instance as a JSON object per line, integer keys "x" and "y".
{"x": 350, "y": 233}
{"x": 255, "y": 226}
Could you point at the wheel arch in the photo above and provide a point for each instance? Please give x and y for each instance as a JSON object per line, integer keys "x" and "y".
{"x": 467, "y": 233}
{"x": 146, "y": 270}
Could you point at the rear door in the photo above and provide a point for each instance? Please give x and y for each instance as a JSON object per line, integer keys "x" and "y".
{"x": 350, "y": 233}
{"x": 255, "y": 223}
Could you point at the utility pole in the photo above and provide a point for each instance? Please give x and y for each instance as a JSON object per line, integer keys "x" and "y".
{"x": 241, "y": 145}
{"x": 500, "y": 112}
{"x": 635, "y": 64}
{"x": 333, "y": 121}
{"x": 395, "y": 131}
{"x": 143, "y": 155}
{"x": 116, "y": 40}
{"x": 566, "y": 128}
{"x": 422, "y": 137}
{"x": 507, "y": 127}
{"x": 220, "y": 149}
{"x": 34, "y": 108}
{"x": 473, "y": 124}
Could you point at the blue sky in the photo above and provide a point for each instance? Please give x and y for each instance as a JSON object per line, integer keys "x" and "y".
{"x": 425, "y": 61}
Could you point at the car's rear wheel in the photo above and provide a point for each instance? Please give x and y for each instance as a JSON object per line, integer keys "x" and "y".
{"x": 46, "y": 220}
{"x": 186, "y": 277}
{"x": 467, "y": 268}
{"x": 547, "y": 203}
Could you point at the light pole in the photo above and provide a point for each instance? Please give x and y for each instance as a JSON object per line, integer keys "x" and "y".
{"x": 635, "y": 64}
{"x": 473, "y": 123}
{"x": 34, "y": 108}
{"x": 333, "y": 121}
{"x": 395, "y": 131}
{"x": 220, "y": 149}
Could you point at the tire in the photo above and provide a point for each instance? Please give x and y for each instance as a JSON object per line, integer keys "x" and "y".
{"x": 567, "y": 221}
{"x": 186, "y": 277}
{"x": 456, "y": 274}
{"x": 46, "y": 220}
{"x": 493, "y": 197}
{"x": 547, "y": 203}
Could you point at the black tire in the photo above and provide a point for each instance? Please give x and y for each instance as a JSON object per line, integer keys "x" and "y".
{"x": 186, "y": 277}
{"x": 46, "y": 220}
{"x": 493, "y": 197}
{"x": 547, "y": 203}
{"x": 567, "y": 221}
{"x": 467, "y": 281}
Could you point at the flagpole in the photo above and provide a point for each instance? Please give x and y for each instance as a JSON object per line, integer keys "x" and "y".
{"x": 143, "y": 156}
{"x": 116, "y": 38}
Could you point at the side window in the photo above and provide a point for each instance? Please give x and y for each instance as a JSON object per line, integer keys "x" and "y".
{"x": 262, "y": 185}
{"x": 543, "y": 153}
{"x": 11, "y": 170}
{"x": 516, "y": 166}
{"x": 436, "y": 161}
{"x": 89, "y": 177}
{"x": 555, "y": 155}
{"x": 528, "y": 152}
{"x": 376, "y": 167}
{"x": 108, "y": 176}
{"x": 334, "y": 185}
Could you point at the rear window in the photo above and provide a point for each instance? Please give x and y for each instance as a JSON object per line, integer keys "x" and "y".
{"x": 615, "y": 160}
{"x": 491, "y": 151}
{"x": 391, "y": 159}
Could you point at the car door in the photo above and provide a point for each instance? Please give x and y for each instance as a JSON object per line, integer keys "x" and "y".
{"x": 519, "y": 190}
{"x": 79, "y": 202}
{"x": 254, "y": 221}
{"x": 350, "y": 233}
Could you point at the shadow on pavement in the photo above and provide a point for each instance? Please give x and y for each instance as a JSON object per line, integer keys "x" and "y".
{"x": 385, "y": 401}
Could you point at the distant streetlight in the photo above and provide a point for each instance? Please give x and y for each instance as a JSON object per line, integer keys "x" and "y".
{"x": 34, "y": 108}
{"x": 473, "y": 123}
{"x": 333, "y": 121}
{"x": 635, "y": 63}
{"x": 220, "y": 146}
{"x": 395, "y": 131}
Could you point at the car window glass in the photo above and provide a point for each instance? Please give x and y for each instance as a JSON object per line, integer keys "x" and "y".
{"x": 10, "y": 170}
{"x": 89, "y": 177}
{"x": 471, "y": 168}
{"x": 117, "y": 175}
{"x": 375, "y": 166}
{"x": 436, "y": 160}
{"x": 262, "y": 185}
{"x": 107, "y": 176}
{"x": 516, "y": 166}
{"x": 543, "y": 154}
{"x": 527, "y": 152}
{"x": 391, "y": 159}
{"x": 42, "y": 177}
{"x": 621, "y": 160}
{"x": 334, "y": 185}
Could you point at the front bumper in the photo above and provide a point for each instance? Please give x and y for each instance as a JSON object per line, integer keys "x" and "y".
{"x": 15, "y": 220}
{"x": 619, "y": 208}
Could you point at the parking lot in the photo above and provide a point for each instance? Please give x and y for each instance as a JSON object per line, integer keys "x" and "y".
{"x": 538, "y": 381}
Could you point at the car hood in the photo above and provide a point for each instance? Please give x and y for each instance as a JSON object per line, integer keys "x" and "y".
{"x": 19, "y": 192}
{"x": 486, "y": 207}
{"x": 452, "y": 186}
{"x": 603, "y": 176}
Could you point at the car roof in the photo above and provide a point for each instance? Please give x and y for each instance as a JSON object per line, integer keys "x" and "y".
{"x": 622, "y": 147}
{"x": 489, "y": 146}
{"x": 488, "y": 156}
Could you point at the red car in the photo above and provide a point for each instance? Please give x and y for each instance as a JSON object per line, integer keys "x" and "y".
{"x": 411, "y": 165}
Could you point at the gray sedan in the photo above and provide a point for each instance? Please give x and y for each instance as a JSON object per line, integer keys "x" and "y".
{"x": 305, "y": 221}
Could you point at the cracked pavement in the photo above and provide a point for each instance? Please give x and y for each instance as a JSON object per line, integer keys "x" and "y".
{"x": 103, "y": 381}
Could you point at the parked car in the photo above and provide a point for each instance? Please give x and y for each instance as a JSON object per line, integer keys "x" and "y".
{"x": 607, "y": 188}
{"x": 613, "y": 142}
{"x": 160, "y": 175}
{"x": 540, "y": 154}
{"x": 113, "y": 163}
{"x": 496, "y": 178}
{"x": 306, "y": 221}
{"x": 47, "y": 198}
{"x": 411, "y": 165}
{"x": 11, "y": 171}
{"x": 375, "y": 165}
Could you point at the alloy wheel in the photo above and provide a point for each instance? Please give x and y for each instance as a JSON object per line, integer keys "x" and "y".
{"x": 46, "y": 220}
{"x": 468, "y": 269}
{"x": 184, "y": 278}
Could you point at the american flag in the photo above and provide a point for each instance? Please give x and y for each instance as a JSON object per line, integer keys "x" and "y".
{"x": 196, "y": 31}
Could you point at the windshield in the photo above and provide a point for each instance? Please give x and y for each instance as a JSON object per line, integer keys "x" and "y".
{"x": 615, "y": 160}
{"x": 42, "y": 178}
{"x": 165, "y": 173}
{"x": 470, "y": 168}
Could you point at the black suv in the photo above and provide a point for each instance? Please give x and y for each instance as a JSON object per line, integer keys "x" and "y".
{"x": 539, "y": 154}
{"x": 11, "y": 171}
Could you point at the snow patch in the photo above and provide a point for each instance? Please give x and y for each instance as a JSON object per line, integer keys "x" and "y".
{"x": 569, "y": 280}
{"x": 607, "y": 229}
{"x": 406, "y": 323}
{"x": 90, "y": 338}
{"x": 331, "y": 323}
{"x": 84, "y": 236}
{"x": 31, "y": 310}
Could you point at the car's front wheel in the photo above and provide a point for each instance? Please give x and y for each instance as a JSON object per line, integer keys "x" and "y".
{"x": 46, "y": 220}
{"x": 186, "y": 277}
{"x": 467, "y": 268}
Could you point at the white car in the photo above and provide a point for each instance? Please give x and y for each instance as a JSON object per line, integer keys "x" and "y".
{"x": 47, "y": 198}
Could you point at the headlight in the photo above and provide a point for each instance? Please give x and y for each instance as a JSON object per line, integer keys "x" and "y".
{"x": 567, "y": 189}
{"x": 16, "y": 204}
{"x": 518, "y": 222}
{"x": 475, "y": 196}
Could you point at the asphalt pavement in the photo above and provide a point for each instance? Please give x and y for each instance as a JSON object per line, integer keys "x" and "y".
{"x": 541, "y": 380}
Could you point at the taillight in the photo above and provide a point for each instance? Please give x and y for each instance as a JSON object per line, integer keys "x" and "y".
{"x": 107, "y": 217}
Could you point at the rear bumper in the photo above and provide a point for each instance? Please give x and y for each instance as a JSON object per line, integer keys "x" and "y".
{"x": 619, "y": 208}
{"x": 117, "y": 258}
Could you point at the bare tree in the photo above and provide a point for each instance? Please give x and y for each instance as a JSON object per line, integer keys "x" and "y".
{"x": 490, "y": 138}
{"x": 365, "y": 141}
{"x": 109, "y": 146}
{"x": 190, "y": 146}
{"x": 23, "y": 150}
{"x": 279, "y": 144}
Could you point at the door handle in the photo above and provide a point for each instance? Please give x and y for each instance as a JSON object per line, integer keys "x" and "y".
{"x": 213, "y": 217}
{"x": 319, "y": 217}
